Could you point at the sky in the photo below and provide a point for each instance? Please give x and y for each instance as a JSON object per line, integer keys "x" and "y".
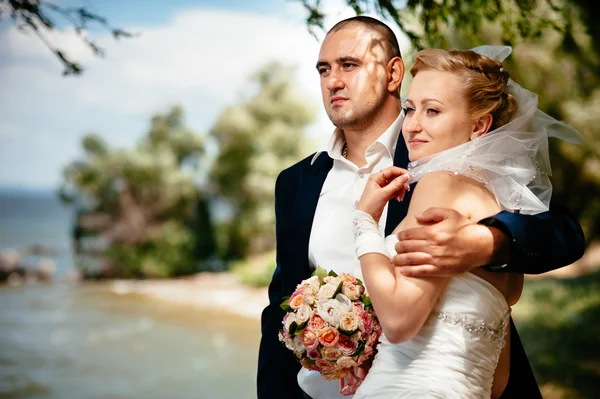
{"x": 197, "y": 54}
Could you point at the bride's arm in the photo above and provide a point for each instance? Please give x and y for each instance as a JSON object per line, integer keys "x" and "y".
{"x": 402, "y": 303}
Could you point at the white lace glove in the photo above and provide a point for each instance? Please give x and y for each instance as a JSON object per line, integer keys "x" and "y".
{"x": 367, "y": 238}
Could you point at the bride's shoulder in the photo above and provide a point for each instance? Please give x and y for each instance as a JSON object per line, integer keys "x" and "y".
{"x": 456, "y": 191}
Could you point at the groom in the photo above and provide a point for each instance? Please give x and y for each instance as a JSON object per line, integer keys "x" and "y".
{"x": 361, "y": 72}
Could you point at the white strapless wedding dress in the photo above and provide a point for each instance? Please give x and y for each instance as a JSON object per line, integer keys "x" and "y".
{"x": 454, "y": 355}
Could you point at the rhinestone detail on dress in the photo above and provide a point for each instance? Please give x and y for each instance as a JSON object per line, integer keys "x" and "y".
{"x": 495, "y": 332}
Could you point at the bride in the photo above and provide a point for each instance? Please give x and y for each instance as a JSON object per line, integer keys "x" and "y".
{"x": 478, "y": 144}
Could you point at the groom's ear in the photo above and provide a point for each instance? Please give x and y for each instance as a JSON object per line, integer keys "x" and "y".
{"x": 481, "y": 126}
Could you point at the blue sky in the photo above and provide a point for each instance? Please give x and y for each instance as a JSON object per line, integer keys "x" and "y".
{"x": 197, "y": 54}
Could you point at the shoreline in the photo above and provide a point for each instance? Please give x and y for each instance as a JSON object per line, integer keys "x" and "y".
{"x": 208, "y": 291}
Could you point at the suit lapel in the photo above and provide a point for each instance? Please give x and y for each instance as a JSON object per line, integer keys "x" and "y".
{"x": 397, "y": 210}
{"x": 313, "y": 177}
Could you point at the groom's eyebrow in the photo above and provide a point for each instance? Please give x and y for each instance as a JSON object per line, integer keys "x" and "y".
{"x": 341, "y": 60}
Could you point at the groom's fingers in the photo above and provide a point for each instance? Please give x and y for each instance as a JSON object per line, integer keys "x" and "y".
{"x": 420, "y": 271}
{"x": 412, "y": 259}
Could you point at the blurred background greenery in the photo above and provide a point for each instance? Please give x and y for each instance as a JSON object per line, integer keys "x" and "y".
{"x": 179, "y": 202}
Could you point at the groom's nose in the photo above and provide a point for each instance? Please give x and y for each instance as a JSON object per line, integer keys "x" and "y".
{"x": 334, "y": 81}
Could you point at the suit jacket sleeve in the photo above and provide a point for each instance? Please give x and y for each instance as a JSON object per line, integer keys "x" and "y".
{"x": 277, "y": 366}
{"x": 539, "y": 243}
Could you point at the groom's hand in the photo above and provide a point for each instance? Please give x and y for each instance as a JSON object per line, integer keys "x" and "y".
{"x": 448, "y": 243}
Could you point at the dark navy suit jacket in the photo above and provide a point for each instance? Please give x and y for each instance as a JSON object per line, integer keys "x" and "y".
{"x": 539, "y": 243}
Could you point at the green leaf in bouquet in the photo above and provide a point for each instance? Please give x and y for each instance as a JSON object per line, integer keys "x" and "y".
{"x": 332, "y": 273}
{"x": 293, "y": 327}
{"x": 285, "y": 305}
{"x": 359, "y": 282}
{"x": 321, "y": 273}
{"x": 338, "y": 289}
{"x": 348, "y": 333}
{"x": 366, "y": 300}
{"x": 309, "y": 361}
{"x": 360, "y": 349}
{"x": 300, "y": 327}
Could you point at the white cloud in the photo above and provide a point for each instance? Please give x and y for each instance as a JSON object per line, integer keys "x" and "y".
{"x": 200, "y": 59}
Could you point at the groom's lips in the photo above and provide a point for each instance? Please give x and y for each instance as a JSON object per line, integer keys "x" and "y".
{"x": 336, "y": 100}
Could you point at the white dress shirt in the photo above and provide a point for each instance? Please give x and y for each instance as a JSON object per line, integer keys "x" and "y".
{"x": 331, "y": 244}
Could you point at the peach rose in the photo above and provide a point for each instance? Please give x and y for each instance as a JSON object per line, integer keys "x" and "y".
{"x": 330, "y": 353}
{"x": 349, "y": 321}
{"x": 328, "y": 337}
{"x": 296, "y": 300}
{"x": 351, "y": 291}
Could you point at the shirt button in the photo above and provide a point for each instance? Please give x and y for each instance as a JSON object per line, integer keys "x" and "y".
{"x": 361, "y": 175}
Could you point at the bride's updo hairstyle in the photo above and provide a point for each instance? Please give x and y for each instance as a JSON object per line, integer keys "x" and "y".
{"x": 484, "y": 81}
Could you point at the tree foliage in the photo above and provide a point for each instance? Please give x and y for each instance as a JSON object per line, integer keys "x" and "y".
{"x": 143, "y": 201}
{"x": 39, "y": 17}
{"x": 257, "y": 138}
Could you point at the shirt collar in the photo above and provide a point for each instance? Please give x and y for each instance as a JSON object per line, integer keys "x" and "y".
{"x": 388, "y": 139}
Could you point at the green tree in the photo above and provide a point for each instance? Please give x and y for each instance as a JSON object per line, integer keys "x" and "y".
{"x": 257, "y": 138}
{"x": 39, "y": 17}
{"x": 143, "y": 201}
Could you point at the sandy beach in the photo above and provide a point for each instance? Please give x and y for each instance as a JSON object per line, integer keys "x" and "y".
{"x": 209, "y": 291}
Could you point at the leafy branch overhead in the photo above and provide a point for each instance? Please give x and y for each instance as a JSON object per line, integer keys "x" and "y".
{"x": 427, "y": 22}
{"x": 41, "y": 16}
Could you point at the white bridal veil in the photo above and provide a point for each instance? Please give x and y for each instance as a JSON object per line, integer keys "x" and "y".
{"x": 512, "y": 160}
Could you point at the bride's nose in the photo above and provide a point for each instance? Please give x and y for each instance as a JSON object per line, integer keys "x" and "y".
{"x": 411, "y": 124}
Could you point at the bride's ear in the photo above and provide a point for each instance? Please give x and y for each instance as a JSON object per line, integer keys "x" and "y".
{"x": 481, "y": 126}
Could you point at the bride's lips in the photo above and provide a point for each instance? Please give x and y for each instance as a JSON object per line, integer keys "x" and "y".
{"x": 336, "y": 100}
{"x": 416, "y": 142}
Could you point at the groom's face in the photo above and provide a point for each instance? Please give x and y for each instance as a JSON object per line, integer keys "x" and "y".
{"x": 353, "y": 72}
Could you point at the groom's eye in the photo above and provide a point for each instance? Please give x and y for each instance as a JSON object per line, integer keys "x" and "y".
{"x": 348, "y": 65}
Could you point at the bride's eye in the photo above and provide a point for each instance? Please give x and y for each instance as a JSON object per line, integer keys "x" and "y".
{"x": 432, "y": 111}
{"x": 409, "y": 110}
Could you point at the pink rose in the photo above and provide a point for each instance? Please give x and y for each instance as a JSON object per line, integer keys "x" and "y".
{"x": 296, "y": 300}
{"x": 347, "y": 345}
{"x": 309, "y": 366}
{"x": 314, "y": 354}
{"x": 316, "y": 322}
{"x": 308, "y": 337}
{"x": 328, "y": 337}
{"x": 366, "y": 322}
{"x": 324, "y": 366}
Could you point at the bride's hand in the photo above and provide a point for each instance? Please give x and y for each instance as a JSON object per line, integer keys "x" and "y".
{"x": 381, "y": 187}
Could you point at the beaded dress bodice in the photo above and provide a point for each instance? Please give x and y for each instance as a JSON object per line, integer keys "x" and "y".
{"x": 454, "y": 355}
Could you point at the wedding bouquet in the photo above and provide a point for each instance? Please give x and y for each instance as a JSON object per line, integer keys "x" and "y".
{"x": 331, "y": 327}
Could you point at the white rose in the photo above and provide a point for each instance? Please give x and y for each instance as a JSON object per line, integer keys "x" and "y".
{"x": 326, "y": 291}
{"x": 330, "y": 311}
{"x": 309, "y": 299}
{"x": 332, "y": 280}
{"x": 303, "y": 313}
{"x": 349, "y": 321}
{"x": 298, "y": 347}
{"x": 313, "y": 284}
{"x": 291, "y": 317}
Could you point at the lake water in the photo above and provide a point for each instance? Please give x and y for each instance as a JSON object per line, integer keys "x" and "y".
{"x": 84, "y": 342}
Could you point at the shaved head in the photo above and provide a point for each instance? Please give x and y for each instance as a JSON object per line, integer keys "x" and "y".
{"x": 389, "y": 40}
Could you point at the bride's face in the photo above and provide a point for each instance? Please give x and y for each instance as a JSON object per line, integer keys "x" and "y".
{"x": 437, "y": 116}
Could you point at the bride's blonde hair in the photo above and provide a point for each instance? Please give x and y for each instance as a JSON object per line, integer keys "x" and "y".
{"x": 484, "y": 80}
